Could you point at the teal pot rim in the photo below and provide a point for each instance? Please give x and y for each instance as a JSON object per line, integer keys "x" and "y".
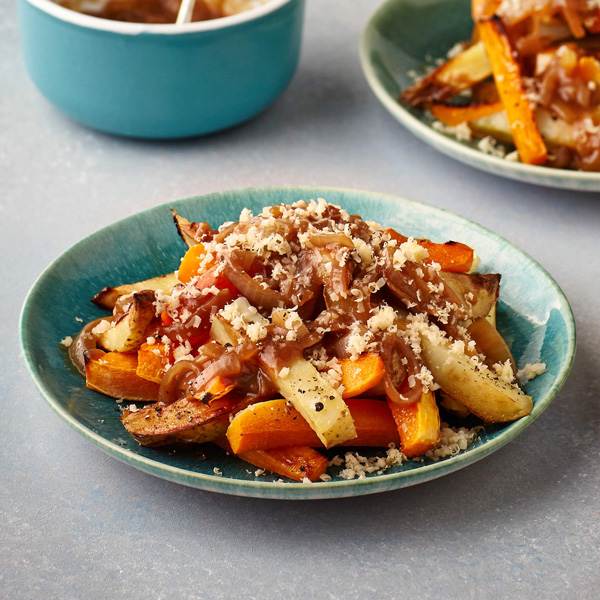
{"x": 122, "y": 27}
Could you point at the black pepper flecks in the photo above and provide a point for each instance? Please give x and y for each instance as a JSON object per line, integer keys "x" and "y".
{"x": 319, "y": 406}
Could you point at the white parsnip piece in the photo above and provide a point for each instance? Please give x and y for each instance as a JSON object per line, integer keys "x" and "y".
{"x": 312, "y": 396}
{"x": 477, "y": 388}
{"x": 318, "y": 402}
{"x": 130, "y": 330}
{"x": 555, "y": 131}
{"x": 108, "y": 296}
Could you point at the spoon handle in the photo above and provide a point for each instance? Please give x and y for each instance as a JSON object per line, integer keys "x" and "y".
{"x": 185, "y": 12}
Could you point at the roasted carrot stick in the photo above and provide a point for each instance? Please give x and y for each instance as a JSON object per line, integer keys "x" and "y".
{"x": 451, "y": 256}
{"x": 273, "y": 424}
{"x": 455, "y": 115}
{"x": 188, "y": 269}
{"x": 507, "y": 75}
{"x": 484, "y": 8}
{"x": 152, "y": 360}
{"x": 418, "y": 425}
{"x": 114, "y": 374}
{"x": 295, "y": 462}
{"x": 360, "y": 375}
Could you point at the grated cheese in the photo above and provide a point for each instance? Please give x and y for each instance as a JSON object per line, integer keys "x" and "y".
{"x": 532, "y": 370}
{"x": 66, "y": 342}
{"x": 461, "y": 132}
{"x": 453, "y": 440}
{"x": 357, "y": 466}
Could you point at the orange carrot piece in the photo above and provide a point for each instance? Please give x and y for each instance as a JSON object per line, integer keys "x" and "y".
{"x": 484, "y": 8}
{"x": 360, "y": 375}
{"x": 220, "y": 386}
{"x": 507, "y": 75}
{"x": 573, "y": 21}
{"x": 451, "y": 256}
{"x": 455, "y": 115}
{"x": 165, "y": 318}
{"x": 151, "y": 364}
{"x": 396, "y": 236}
{"x": 188, "y": 269}
{"x": 588, "y": 68}
{"x": 114, "y": 374}
{"x": 273, "y": 424}
{"x": 418, "y": 425}
{"x": 295, "y": 462}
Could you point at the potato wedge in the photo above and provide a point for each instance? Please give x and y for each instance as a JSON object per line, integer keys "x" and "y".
{"x": 129, "y": 331}
{"x": 477, "y": 292}
{"x": 114, "y": 374}
{"x": 107, "y": 297}
{"x": 459, "y": 73}
{"x": 183, "y": 421}
{"x": 190, "y": 233}
{"x": 453, "y": 406}
{"x": 484, "y": 394}
{"x": 490, "y": 343}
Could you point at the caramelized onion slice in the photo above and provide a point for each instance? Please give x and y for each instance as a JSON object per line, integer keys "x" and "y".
{"x": 421, "y": 288}
{"x": 319, "y": 240}
{"x": 229, "y": 364}
{"x": 235, "y": 270}
{"x": 84, "y": 341}
{"x": 395, "y": 396}
{"x": 400, "y": 364}
{"x": 177, "y": 380}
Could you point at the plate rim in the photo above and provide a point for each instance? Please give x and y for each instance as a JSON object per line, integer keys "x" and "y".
{"x": 294, "y": 490}
{"x": 532, "y": 174}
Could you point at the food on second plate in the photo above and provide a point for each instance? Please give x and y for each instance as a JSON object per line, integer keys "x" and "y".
{"x": 530, "y": 76}
{"x": 158, "y": 11}
{"x": 303, "y": 328}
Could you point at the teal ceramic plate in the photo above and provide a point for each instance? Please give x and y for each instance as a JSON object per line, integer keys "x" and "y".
{"x": 408, "y": 35}
{"x": 534, "y": 317}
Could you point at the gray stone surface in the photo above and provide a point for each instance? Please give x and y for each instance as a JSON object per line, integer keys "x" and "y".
{"x": 74, "y": 523}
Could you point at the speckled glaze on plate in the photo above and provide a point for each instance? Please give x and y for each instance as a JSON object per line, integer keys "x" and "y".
{"x": 534, "y": 317}
{"x": 404, "y": 36}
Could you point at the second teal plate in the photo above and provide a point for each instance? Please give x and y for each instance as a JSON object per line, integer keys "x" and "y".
{"x": 406, "y": 35}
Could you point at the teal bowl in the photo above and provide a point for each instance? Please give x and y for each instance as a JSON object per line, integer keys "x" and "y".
{"x": 533, "y": 316}
{"x": 161, "y": 81}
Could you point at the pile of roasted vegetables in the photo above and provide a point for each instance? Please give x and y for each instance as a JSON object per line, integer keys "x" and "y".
{"x": 529, "y": 76}
{"x": 301, "y": 328}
